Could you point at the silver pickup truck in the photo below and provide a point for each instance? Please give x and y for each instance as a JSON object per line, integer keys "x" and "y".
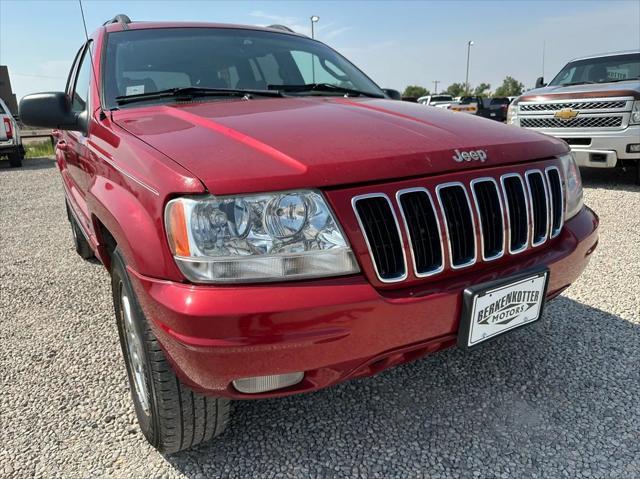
{"x": 594, "y": 105}
{"x": 10, "y": 139}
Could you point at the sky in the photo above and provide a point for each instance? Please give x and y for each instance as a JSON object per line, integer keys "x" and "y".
{"x": 397, "y": 43}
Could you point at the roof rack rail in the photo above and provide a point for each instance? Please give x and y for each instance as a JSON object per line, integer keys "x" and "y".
{"x": 281, "y": 27}
{"x": 120, "y": 18}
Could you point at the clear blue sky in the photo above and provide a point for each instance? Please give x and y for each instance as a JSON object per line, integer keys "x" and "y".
{"x": 396, "y": 43}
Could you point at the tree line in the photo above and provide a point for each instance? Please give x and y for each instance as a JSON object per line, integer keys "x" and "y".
{"x": 510, "y": 87}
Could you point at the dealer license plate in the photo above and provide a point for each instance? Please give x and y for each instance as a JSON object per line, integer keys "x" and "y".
{"x": 491, "y": 309}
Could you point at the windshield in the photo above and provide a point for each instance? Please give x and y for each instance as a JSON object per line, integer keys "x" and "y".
{"x": 441, "y": 98}
{"x": 600, "y": 70}
{"x": 144, "y": 61}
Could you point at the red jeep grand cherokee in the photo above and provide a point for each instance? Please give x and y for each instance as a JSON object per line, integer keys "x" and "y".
{"x": 274, "y": 223}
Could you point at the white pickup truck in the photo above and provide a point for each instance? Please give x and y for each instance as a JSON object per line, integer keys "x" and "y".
{"x": 594, "y": 105}
{"x": 10, "y": 140}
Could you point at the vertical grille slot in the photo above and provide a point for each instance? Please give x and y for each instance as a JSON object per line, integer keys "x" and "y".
{"x": 455, "y": 205}
{"x": 489, "y": 207}
{"x": 517, "y": 212}
{"x": 557, "y": 200}
{"x": 539, "y": 206}
{"x": 382, "y": 234}
{"x": 423, "y": 230}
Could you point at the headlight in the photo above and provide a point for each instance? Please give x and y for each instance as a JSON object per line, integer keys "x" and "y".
{"x": 264, "y": 237}
{"x": 635, "y": 113}
{"x": 512, "y": 113}
{"x": 572, "y": 186}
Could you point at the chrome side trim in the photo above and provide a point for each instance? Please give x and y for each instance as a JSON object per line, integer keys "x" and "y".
{"x": 553, "y": 233}
{"x": 502, "y": 225}
{"x": 508, "y": 209}
{"x": 472, "y": 261}
{"x": 528, "y": 174}
{"x": 354, "y": 200}
{"x": 406, "y": 228}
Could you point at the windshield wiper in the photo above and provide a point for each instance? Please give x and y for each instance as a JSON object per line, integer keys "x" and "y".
{"x": 322, "y": 87}
{"x": 623, "y": 79}
{"x": 189, "y": 93}
{"x": 586, "y": 82}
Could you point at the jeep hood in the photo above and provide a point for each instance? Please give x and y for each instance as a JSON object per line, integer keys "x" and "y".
{"x": 236, "y": 146}
{"x": 597, "y": 90}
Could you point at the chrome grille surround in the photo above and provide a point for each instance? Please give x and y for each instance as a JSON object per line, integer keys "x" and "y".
{"x": 524, "y": 202}
{"x": 528, "y": 174}
{"x": 406, "y": 228}
{"x": 354, "y": 201}
{"x": 477, "y": 205}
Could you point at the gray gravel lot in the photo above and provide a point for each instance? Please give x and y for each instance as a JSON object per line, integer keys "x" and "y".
{"x": 558, "y": 399}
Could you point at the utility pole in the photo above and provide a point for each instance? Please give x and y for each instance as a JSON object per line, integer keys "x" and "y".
{"x": 544, "y": 44}
{"x": 435, "y": 82}
{"x": 466, "y": 82}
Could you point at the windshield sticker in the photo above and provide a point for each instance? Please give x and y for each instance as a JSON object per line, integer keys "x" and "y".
{"x": 134, "y": 90}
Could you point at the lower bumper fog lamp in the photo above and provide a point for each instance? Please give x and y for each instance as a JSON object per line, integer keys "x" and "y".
{"x": 262, "y": 384}
{"x": 633, "y": 148}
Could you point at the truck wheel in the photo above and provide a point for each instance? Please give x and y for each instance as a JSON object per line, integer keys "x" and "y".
{"x": 15, "y": 159}
{"x": 171, "y": 416}
{"x": 80, "y": 243}
{"x": 638, "y": 172}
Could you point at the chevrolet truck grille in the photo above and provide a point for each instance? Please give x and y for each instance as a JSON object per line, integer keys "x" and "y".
{"x": 589, "y": 105}
{"x": 577, "y": 122}
{"x": 513, "y": 212}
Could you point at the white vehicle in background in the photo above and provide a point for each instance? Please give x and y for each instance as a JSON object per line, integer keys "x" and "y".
{"x": 594, "y": 105}
{"x": 437, "y": 100}
{"x": 10, "y": 140}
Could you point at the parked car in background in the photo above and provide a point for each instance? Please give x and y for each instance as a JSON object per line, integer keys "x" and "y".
{"x": 274, "y": 228}
{"x": 467, "y": 104}
{"x": 10, "y": 139}
{"x": 494, "y": 108}
{"x": 439, "y": 101}
{"x": 594, "y": 105}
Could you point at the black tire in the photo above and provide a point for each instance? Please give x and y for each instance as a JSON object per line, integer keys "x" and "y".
{"x": 80, "y": 243}
{"x": 638, "y": 172}
{"x": 171, "y": 416}
{"x": 15, "y": 159}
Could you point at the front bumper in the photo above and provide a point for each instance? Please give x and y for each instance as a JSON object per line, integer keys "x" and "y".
{"x": 605, "y": 148}
{"x": 333, "y": 329}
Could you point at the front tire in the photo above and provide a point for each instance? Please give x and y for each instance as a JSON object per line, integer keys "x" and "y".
{"x": 171, "y": 416}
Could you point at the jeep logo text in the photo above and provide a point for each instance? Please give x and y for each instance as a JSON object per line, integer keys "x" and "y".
{"x": 473, "y": 155}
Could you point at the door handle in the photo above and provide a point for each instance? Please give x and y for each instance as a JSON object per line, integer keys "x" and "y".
{"x": 61, "y": 145}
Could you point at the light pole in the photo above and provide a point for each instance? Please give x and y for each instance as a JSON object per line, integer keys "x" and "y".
{"x": 435, "y": 82}
{"x": 466, "y": 82}
{"x": 314, "y": 19}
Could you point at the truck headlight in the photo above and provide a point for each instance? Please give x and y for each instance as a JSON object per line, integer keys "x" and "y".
{"x": 572, "y": 186}
{"x": 635, "y": 113}
{"x": 262, "y": 237}
{"x": 512, "y": 113}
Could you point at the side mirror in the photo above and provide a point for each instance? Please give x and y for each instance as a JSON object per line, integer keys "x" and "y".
{"x": 392, "y": 94}
{"x": 51, "y": 110}
{"x": 540, "y": 82}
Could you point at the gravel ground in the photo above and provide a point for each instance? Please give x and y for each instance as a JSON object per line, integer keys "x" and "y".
{"x": 557, "y": 399}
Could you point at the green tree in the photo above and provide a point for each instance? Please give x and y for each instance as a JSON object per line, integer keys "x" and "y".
{"x": 482, "y": 89}
{"x": 415, "y": 91}
{"x": 510, "y": 87}
{"x": 456, "y": 89}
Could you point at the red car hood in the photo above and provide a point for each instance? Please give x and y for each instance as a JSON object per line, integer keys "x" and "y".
{"x": 284, "y": 143}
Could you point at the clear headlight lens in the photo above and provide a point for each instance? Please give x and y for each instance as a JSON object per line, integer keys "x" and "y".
{"x": 635, "y": 113}
{"x": 572, "y": 186}
{"x": 265, "y": 237}
{"x": 512, "y": 113}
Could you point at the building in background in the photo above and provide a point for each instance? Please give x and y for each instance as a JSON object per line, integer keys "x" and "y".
{"x": 6, "y": 93}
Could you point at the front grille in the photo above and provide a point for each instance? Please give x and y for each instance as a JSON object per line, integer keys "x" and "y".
{"x": 423, "y": 229}
{"x": 539, "y": 206}
{"x": 557, "y": 200}
{"x": 513, "y": 213}
{"x": 518, "y": 212}
{"x": 489, "y": 207}
{"x": 577, "y": 122}
{"x": 378, "y": 221}
{"x": 587, "y": 105}
{"x": 459, "y": 224}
